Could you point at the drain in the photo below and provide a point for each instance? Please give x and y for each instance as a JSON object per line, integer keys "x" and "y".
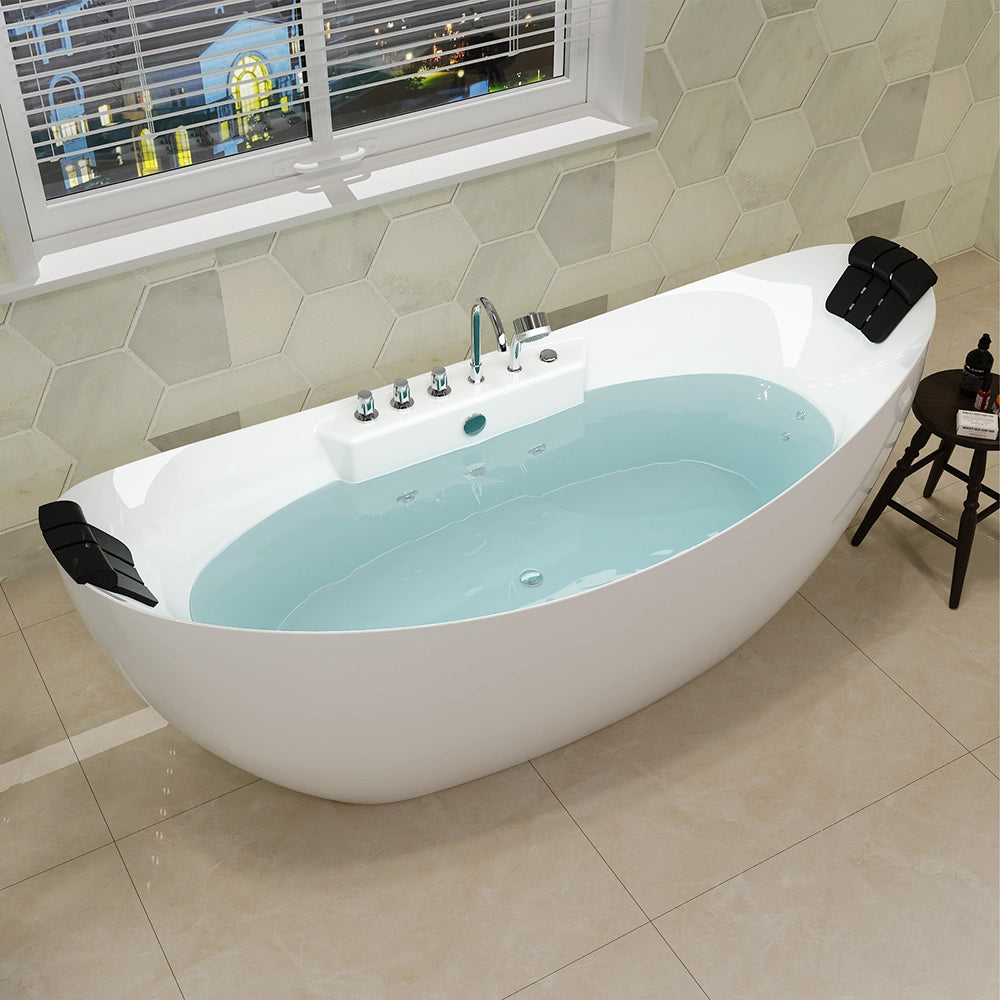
{"x": 530, "y": 578}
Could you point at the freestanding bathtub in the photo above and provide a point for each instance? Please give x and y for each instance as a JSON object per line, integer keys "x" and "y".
{"x": 388, "y": 608}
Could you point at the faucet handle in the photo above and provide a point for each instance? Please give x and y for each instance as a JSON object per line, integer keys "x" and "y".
{"x": 401, "y": 398}
{"x": 366, "y": 406}
{"x": 439, "y": 381}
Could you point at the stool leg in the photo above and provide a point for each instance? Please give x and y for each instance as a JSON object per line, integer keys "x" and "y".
{"x": 937, "y": 467}
{"x": 892, "y": 483}
{"x": 967, "y": 526}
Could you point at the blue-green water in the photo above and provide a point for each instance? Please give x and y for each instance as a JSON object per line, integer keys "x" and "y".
{"x": 635, "y": 474}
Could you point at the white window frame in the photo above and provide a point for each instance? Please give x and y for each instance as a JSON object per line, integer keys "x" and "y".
{"x": 57, "y": 243}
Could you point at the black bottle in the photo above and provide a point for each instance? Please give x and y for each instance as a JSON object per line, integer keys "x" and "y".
{"x": 978, "y": 370}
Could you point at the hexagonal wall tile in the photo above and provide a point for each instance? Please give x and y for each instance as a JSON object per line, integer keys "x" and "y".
{"x": 36, "y": 472}
{"x": 513, "y": 274}
{"x": 661, "y": 90}
{"x": 848, "y": 86}
{"x": 982, "y": 64}
{"x": 642, "y": 185}
{"x": 506, "y": 203}
{"x": 333, "y": 251}
{"x": 181, "y": 329}
{"x": 702, "y": 52}
{"x": 576, "y": 223}
{"x": 659, "y": 17}
{"x": 23, "y": 374}
{"x": 973, "y": 150}
{"x": 782, "y": 65}
{"x": 601, "y": 277}
{"x": 704, "y": 133}
{"x": 223, "y": 395}
{"x": 960, "y": 214}
{"x": 961, "y": 27}
{"x": 847, "y": 22}
{"x": 909, "y": 38}
{"x": 778, "y": 8}
{"x": 890, "y": 137}
{"x": 762, "y": 233}
{"x": 422, "y": 259}
{"x": 770, "y": 159}
{"x": 828, "y": 185}
{"x": 259, "y": 302}
{"x": 99, "y": 406}
{"x": 948, "y": 100}
{"x": 695, "y": 225}
{"x": 80, "y": 321}
{"x": 339, "y": 332}
{"x": 418, "y": 342}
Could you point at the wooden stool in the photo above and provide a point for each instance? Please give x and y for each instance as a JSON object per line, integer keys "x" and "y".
{"x": 935, "y": 405}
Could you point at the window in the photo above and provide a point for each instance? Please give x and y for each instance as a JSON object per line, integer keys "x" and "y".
{"x": 233, "y": 119}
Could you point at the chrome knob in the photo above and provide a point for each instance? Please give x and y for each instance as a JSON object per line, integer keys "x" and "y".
{"x": 401, "y": 398}
{"x": 366, "y": 406}
{"x": 439, "y": 382}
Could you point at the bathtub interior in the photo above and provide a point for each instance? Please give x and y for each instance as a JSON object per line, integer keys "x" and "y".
{"x": 636, "y": 474}
{"x": 178, "y": 510}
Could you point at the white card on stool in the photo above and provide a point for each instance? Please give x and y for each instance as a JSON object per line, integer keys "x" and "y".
{"x": 971, "y": 423}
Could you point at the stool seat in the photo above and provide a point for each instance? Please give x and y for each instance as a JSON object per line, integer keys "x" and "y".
{"x": 935, "y": 405}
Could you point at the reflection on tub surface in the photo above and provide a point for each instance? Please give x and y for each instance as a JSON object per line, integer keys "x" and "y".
{"x": 637, "y": 473}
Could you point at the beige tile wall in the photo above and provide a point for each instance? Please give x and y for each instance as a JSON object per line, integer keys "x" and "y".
{"x": 781, "y": 124}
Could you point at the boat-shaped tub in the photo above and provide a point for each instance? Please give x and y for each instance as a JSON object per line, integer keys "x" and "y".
{"x": 369, "y": 611}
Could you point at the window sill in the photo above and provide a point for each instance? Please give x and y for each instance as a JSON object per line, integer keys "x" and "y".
{"x": 329, "y": 196}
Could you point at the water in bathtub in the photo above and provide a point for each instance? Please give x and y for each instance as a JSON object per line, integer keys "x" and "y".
{"x": 637, "y": 473}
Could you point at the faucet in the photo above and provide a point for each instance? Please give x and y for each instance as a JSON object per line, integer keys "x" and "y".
{"x": 533, "y": 326}
{"x": 477, "y": 338}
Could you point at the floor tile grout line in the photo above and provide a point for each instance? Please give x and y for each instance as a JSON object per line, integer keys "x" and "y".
{"x": 676, "y": 954}
{"x": 149, "y": 919}
{"x": 121, "y": 857}
{"x": 52, "y": 868}
{"x": 817, "y": 833}
{"x": 618, "y": 878}
{"x": 184, "y": 811}
{"x": 579, "y": 958}
{"x": 589, "y": 841}
{"x": 930, "y": 715}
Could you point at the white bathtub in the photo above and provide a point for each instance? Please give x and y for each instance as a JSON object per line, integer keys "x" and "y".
{"x": 385, "y": 714}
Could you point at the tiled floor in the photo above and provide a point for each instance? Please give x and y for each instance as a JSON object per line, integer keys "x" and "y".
{"x": 816, "y": 817}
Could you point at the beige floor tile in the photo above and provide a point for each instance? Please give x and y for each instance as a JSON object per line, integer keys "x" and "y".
{"x": 857, "y": 911}
{"x": 79, "y": 931}
{"x": 638, "y": 966}
{"x": 8, "y": 623}
{"x": 963, "y": 272}
{"x": 990, "y": 756}
{"x": 46, "y": 822}
{"x": 85, "y": 686}
{"x": 472, "y": 892}
{"x": 156, "y": 776}
{"x": 890, "y": 597}
{"x": 789, "y": 734}
{"x": 28, "y": 720}
{"x": 37, "y": 596}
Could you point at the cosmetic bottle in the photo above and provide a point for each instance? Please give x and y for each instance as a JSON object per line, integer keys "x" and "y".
{"x": 978, "y": 368}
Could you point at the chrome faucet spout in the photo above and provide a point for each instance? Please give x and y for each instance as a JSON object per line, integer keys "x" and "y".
{"x": 477, "y": 337}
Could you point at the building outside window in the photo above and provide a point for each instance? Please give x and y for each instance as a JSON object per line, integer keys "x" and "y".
{"x": 146, "y": 92}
